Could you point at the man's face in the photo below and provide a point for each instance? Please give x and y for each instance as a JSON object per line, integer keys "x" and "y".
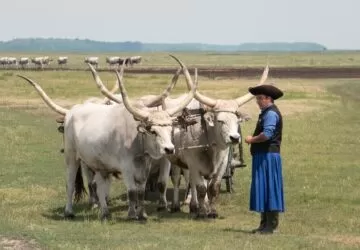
{"x": 263, "y": 101}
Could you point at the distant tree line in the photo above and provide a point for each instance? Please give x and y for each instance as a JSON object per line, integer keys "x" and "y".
{"x": 85, "y": 45}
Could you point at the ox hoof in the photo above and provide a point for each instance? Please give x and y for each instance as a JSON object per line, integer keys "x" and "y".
{"x": 213, "y": 215}
{"x": 93, "y": 205}
{"x": 132, "y": 218}
{"x": 161, "y": 209}
{"x": 201, "y": 216}
{"x": 142, "y": 218}
{"x": 105, "y": 217}
{"x": 193, "y": 208}
{"x": 175, "y": 209}
{"x": 68, "y": 215}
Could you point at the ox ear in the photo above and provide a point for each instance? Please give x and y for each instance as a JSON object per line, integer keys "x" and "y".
{"x": 243, "y": 116}
{"x": 141, "y": 128}
{"x": 209, "y": 118}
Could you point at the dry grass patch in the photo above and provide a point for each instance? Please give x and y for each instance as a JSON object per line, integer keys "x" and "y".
{"x": 15, "y": 243}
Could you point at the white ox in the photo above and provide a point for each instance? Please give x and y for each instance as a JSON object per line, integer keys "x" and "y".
{"x": 113, "y": 60}
{"x": 8, "y": 61}
{"x": 135, "y": 60}
{"x": 203, "y": 147}
{"x": 62, "y": 60}
{"x": 216, "y": 131}
{"x": 148, "y": 101}
{"x": 93, "y": 60}
{"x": 24, "y": 61}
{"x": 108, "y": 139}
{"x": 41, "y": 61}
{"x": 162, "y": 166}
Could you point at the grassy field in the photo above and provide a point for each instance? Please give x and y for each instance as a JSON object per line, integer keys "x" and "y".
{"x": 320, "y": 154}
{"x": 241, "y": 59}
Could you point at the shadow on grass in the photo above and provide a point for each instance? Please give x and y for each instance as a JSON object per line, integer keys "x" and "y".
{"x": 233, "y": 230}
{"x": 154, "y": 196}
{"x": 83, "y": 211}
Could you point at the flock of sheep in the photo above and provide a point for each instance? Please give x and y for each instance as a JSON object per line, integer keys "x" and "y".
{"x": 41, "y": 61}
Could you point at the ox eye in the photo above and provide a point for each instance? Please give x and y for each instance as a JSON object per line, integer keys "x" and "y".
{"x": 219, "y": 121}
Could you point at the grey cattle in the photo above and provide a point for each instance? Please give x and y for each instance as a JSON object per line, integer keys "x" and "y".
{"x": 115, "y": 139}
{"x": 113, "y": 60}
{"x": 24, "y": 61}
{"x": 41, "y": 61}
{"x": 203, "y": 147}
{"x": 62, "y": 60}
{"x": 93, "y": 60}
{"x": 8, "y": 61}
{"x": 216, "y": 131}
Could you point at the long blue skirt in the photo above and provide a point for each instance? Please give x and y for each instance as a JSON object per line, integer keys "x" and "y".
{"x": 267, "y": 192}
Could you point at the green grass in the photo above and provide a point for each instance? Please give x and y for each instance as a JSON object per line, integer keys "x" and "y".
{"x": 320, "y": 153}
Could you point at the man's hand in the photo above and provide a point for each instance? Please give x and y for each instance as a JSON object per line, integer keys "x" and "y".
{"x": 248, "y": 139}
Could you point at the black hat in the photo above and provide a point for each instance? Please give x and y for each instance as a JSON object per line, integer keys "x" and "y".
{"x": 268, "y": 90}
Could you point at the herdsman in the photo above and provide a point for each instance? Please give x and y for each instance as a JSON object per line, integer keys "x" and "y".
{"x": 266, "y": 193}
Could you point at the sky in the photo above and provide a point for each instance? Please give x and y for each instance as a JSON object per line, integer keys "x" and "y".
{"x": 333, "y": 23}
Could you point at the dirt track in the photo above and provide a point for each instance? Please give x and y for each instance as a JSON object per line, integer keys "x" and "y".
{"x": 212, "y": 72}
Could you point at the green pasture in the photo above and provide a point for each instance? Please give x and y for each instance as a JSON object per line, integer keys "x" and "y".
{"x": 320, "y": 154}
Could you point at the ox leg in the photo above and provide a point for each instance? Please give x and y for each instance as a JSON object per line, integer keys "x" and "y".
{"x": 190, "y": 198}
{"x": 101, "y": 180}
{"x": 193, "y": 203}
{"x": 165, "y": 166}
{"x": 141, "y": 213}
{"x": 175, "y": 179}
{"x": 213, "y": 194}
{"x": 188, "y": 191}
{"x": 132, "y": 194}
{"x": 107, "y": 189}
{"x": 93, "y": 198}
{"x": 201, "y": 193}
{"x": 141, "y": 177}
{"x": 70, "y": 188}
{"x": 198, "y": 181}
{"x": 132, "y": 197}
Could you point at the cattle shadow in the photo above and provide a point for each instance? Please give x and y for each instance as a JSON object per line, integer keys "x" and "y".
{"x": 233, "y": 230}
{"x": 154, "y": 196}
{"x": 83, "y": 211}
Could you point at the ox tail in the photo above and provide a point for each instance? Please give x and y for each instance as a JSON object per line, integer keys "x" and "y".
{"x": 45, "y": 97}
{"x": 80, "y": 190}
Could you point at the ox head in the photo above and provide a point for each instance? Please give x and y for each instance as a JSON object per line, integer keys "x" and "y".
{"x": 155, "y": 125}
{"x": 223, "y": 116}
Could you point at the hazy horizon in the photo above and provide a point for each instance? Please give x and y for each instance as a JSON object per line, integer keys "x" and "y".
{"x": 229, "y": 22}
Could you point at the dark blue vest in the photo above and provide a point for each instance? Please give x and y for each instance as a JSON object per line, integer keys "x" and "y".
{"x": 273, "y": 144}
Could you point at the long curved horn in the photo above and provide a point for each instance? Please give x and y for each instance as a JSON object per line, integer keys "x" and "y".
{"x": 157, "y": 101}
{"x": 45, "y": 97}
{"x": 138, "y": 113}
{"x": 184, "y": 102}
{"x": 115, "y": 88}
{"x": 201, "y": 98}
{"x": 112, "y": 91}
{"x": 102, "y": 87}
{"x": 248, "y": 97}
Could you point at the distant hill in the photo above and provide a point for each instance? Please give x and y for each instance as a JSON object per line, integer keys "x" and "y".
{"x": 85, "y": 45}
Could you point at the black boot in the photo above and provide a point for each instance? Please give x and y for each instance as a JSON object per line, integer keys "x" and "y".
{"x": 272, "y": 222}
{"x": 262, "y": 224}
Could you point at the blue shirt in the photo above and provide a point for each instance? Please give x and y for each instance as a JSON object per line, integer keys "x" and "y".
{"x": 271, "y": 118}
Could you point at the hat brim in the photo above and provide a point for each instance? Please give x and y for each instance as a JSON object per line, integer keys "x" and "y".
{"x": 268, "y": 90}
